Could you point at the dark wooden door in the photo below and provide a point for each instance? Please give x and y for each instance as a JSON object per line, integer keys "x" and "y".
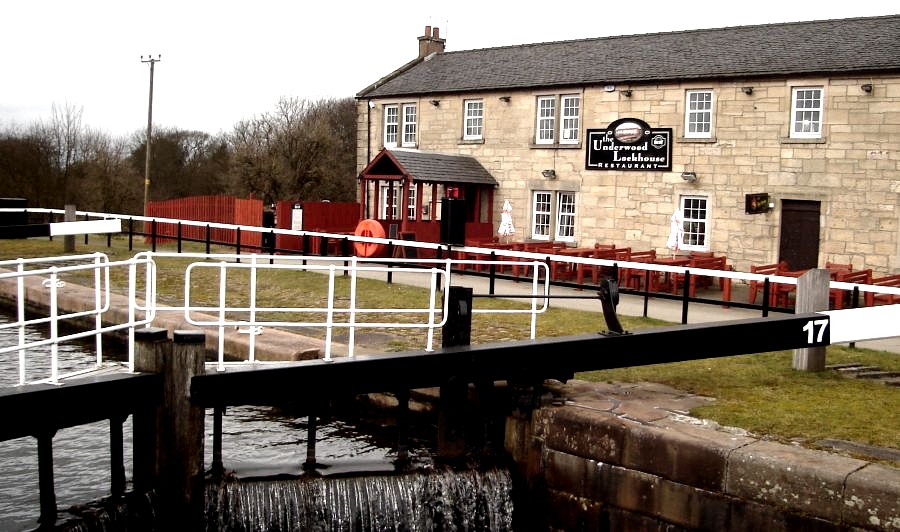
{"x": 799, "y": 244}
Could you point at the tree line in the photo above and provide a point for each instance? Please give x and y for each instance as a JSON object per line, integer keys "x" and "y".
{"x": 302, "y": 150}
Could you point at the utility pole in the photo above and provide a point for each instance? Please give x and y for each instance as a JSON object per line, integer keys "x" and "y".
{"x": 149, "y": 130}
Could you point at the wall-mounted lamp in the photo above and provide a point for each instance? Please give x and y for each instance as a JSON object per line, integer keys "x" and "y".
{"x": 549, "y": 174}
{"x": 747, "y": 90}
{"x": 867, "y": 87}
{"x": 690, "y": 177}
{"x": 627, "y": 93}
{"x": 504, "y": 99}
{"x": 435, "y": 102}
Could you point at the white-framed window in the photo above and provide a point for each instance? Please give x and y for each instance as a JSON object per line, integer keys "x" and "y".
{"x": 546, "y": 120}
{"x": 541, "y": 216}
{"x": 571, "y": 119}
{"x": 695, "y": 210}
{"x": 391, "y": 125}
{"x": 409, "y": 125}
{"x": 565, "y": 216}
{"x": 558, "y": 127}
{"x": 473, "y": 121}
{"x": 411, "y": 204}
{"x": 391, "y": 206}
{"x": 395, "y": 123}
{"x": 806, "y": 112}
{"x": 388, "y": 202}
{"x": 698, "y": 114}
{"x": 553, "y": 215}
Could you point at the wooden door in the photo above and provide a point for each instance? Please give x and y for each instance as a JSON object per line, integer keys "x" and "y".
{"x": 799, "y": 244}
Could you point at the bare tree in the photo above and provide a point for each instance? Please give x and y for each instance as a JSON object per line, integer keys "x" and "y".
{"x": 64, "y": 131}
{"x": 184, "y": 163}
{"x": 303, "y": 150}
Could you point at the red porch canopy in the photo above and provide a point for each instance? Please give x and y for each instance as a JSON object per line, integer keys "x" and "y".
{"x": 402, "y": 189}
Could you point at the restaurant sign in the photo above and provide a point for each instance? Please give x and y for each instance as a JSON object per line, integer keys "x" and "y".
{"x": 629, "y": 144}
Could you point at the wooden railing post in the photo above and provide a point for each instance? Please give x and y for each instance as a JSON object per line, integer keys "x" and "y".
{"x": 181, "y": 456}
{"x": 69, "y": 240}
{"x": 812, "y": 296}
{"x": 151, "y": 348}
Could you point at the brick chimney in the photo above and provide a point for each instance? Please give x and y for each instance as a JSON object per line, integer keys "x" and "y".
{"x": 431, "y": 43}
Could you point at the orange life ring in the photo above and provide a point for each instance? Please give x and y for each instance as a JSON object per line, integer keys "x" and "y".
{"x": 370, "y": 228}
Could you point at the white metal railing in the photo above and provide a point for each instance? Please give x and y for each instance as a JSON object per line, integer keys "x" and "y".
{"x": 46, "y": 275}
{"x": 339, "y": 311}
{"x": 247, "y": 318}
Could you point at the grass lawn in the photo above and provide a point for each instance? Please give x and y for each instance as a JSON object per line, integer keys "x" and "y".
{"x": 759, "y": 393}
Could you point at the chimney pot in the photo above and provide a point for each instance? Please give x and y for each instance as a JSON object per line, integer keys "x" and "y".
{"x": 427, "y": 31}
{"x": 436, "y": 33}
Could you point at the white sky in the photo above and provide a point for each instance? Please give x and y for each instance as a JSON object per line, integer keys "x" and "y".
{"x": 224, "y": 61}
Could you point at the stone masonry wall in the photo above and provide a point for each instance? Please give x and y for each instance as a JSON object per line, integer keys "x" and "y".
{"x": 617, "y": 457}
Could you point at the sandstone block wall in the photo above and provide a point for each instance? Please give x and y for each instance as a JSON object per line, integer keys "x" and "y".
{"x": 626, "y": 457}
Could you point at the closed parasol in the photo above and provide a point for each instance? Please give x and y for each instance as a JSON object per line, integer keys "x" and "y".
{"x": 676, "y": 232}
{"x": 507, "y": 228}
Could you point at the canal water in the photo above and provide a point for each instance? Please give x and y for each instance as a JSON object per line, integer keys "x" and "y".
{"x": 264, "y": 449}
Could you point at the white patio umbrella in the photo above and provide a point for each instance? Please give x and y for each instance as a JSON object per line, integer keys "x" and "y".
{"x": 676, "y": 232}
{"x": 507, "y": 228}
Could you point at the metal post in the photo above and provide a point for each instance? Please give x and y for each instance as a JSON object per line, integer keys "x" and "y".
{"x": 45, "y": 479}
{"x": 403, "y": 420}
{"x": 217, "y": 468}
{"x": 685, "y": 296}
{"x": 310, "y": 464}
{"x": 116, "y": 456}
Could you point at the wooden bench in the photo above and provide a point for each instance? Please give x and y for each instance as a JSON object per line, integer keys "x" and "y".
{"x": 764, "y": 269}
{"x": 633, "y": 277}
{"x": 705, "y": 281}
{"x": 840, "y": 297}
{"x": 892, "y": 281}
{"x": 601, "y": 251}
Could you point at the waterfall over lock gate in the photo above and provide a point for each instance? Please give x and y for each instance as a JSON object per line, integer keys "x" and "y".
{"x": 435, "y": 500}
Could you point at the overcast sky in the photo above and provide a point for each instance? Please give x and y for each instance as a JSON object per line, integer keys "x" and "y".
{"x": 224, "y": 61}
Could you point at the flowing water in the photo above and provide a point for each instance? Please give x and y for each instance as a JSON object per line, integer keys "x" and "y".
{"x": 357, "y": 483}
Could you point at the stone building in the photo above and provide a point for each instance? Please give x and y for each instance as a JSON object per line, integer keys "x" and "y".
{"x": 773, "y": 142}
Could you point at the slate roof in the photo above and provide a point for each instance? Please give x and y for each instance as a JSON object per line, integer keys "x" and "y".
{"x": 429, "y": 167}
{"x": 852, "y": 46}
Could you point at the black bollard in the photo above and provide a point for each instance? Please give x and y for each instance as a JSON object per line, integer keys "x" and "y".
{"x": 458, "y": 329}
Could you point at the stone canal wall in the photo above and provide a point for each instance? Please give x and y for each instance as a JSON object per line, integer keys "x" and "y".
{"x": 627, "y": 457}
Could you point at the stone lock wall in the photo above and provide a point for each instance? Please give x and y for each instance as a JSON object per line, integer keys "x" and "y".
{"x": 625, "y": 457}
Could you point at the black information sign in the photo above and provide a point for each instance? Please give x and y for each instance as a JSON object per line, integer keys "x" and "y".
{"x": 629, "y": 144}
